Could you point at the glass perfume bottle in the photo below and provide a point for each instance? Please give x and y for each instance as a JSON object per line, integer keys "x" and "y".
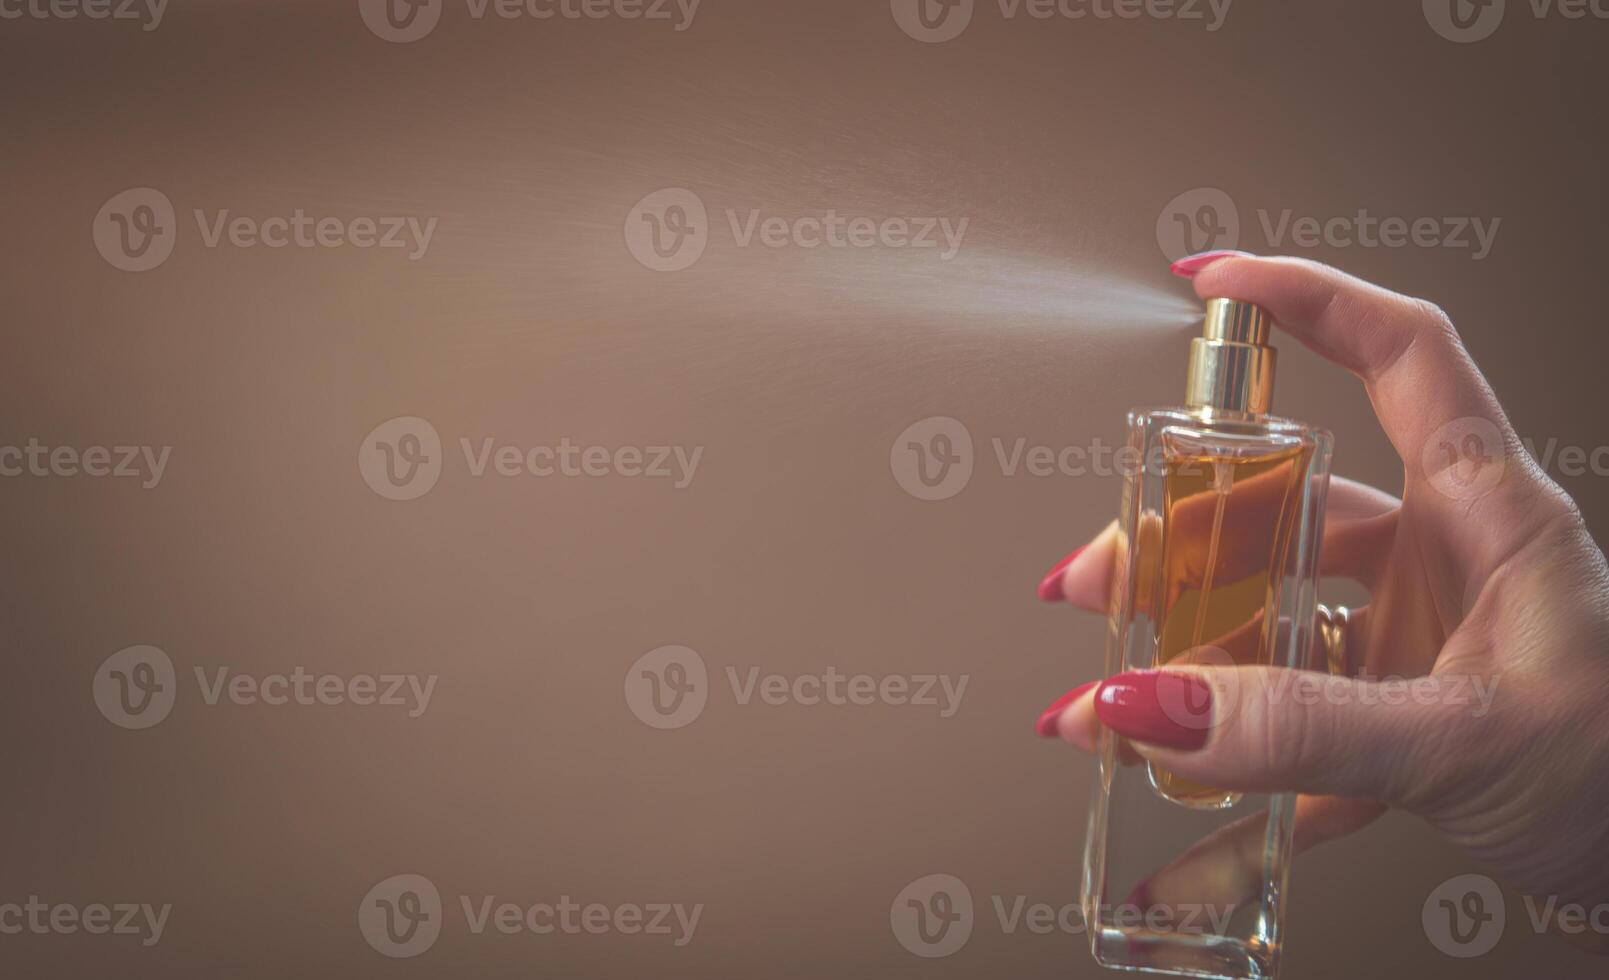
{"x": 1217, "y": 565}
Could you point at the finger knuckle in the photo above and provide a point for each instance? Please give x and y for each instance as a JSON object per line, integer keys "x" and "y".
{"x": 1437, "y": 324}
{"x": 1283, "y": 733}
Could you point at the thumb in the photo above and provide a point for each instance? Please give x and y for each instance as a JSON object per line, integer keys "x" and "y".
{"x": 1266, "y": 729}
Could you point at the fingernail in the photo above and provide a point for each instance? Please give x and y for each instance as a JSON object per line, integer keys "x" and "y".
{"x": 1170, "y": 710}
{"x": 1050, "y": 589}
{"x": 1192, "y": 264}
{"x": 1046, "y": 725}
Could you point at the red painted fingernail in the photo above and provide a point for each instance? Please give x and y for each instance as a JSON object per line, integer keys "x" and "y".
{"x": 1046, "y": 725}
{"x": 1050, "y": 589}
{"x": 1192, "y": 264}
{"x": 1173, "y": 711}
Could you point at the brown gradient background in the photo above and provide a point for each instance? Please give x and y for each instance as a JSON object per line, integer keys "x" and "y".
{"x": 794, "y": 549}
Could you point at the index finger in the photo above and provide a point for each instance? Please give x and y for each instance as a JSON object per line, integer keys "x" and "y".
{"x": 1429, "y": 396}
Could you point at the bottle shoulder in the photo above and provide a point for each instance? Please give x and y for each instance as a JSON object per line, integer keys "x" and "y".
{"x": 1176, "y": 432}
{"x": 1226, "y": 424}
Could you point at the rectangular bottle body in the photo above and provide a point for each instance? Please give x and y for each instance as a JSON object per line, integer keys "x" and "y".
{"x": 1217, "y": 565}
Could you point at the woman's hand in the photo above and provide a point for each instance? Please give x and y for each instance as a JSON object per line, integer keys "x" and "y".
{"x": 1484, "y": 584}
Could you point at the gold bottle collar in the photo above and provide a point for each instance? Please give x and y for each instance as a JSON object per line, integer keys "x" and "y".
{"x": 1231, "y": 363}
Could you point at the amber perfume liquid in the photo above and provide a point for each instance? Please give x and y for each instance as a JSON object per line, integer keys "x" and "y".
{"x": 1227, "y": 522}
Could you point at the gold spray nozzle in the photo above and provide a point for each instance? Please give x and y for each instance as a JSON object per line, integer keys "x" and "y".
{"x": 1231, "y": 364}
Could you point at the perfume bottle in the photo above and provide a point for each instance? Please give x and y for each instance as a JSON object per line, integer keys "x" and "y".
{"x": 1217, "y": 565}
